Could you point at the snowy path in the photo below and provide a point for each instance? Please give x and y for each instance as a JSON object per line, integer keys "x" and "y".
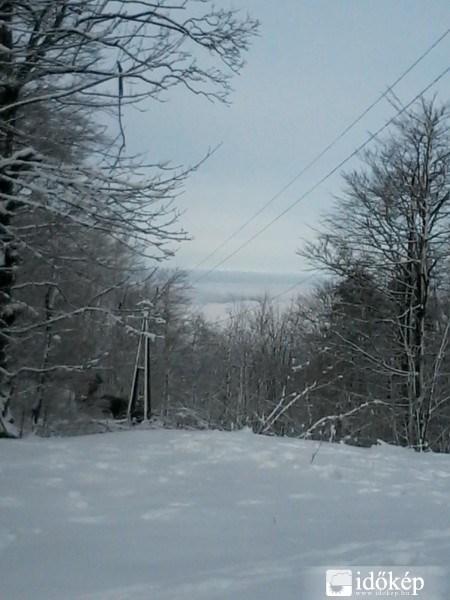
{"x": 170, "y": 515}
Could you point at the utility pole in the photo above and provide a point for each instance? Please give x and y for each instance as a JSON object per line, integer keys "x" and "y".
{"x": 147, "y": 372}
{"x": 142, "y": 366}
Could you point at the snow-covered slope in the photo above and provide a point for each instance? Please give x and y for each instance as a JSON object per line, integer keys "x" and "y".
{"x": 171, "y": 515}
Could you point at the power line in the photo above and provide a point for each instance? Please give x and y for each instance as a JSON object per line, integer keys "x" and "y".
{"x": 324, "y": 178}
{"x": 323, "y": 152}
{"x": 293, "y": 287}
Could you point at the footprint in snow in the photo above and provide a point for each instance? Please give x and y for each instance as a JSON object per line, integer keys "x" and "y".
{"x": 10, "y": 502}
{"x": 250, "y": 502}
{"x": 160, "y": 514}
{"x": 76, "y": 501}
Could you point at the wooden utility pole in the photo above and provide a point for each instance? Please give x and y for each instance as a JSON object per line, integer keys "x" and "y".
{"x": 142, "y": 366}
{"x": 147, "y": 372}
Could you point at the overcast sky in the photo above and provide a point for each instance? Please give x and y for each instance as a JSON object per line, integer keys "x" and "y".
{"x": 315, "y": 67}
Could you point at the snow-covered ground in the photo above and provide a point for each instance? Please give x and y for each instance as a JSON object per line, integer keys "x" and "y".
{"x": 171, "y": 515}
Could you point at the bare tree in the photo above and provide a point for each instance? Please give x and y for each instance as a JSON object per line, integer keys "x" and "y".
{"x": 70, "y": 60}
{"x": 392, "y": 224}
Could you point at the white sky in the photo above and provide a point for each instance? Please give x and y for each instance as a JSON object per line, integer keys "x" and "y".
{"x": 315, "y": 67}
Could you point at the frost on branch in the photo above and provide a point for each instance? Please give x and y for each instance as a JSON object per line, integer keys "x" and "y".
{"x": 80, "y": 221}
{"x": 7, "y": 426}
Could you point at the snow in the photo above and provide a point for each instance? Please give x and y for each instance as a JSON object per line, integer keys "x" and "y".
{"x": 171, "y": 515}
{"x": 7, "y": 427}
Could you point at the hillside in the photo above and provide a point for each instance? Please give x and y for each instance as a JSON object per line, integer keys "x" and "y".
{"x": 171, "y": 515}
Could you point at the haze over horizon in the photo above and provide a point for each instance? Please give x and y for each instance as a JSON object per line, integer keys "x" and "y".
{"x": 218, "y": 292}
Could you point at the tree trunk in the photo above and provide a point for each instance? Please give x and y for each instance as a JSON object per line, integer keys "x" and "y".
{"x": 8, "y": 97}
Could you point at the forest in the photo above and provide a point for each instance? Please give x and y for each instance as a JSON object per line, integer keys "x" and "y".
{"x": 87, "y": 233}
